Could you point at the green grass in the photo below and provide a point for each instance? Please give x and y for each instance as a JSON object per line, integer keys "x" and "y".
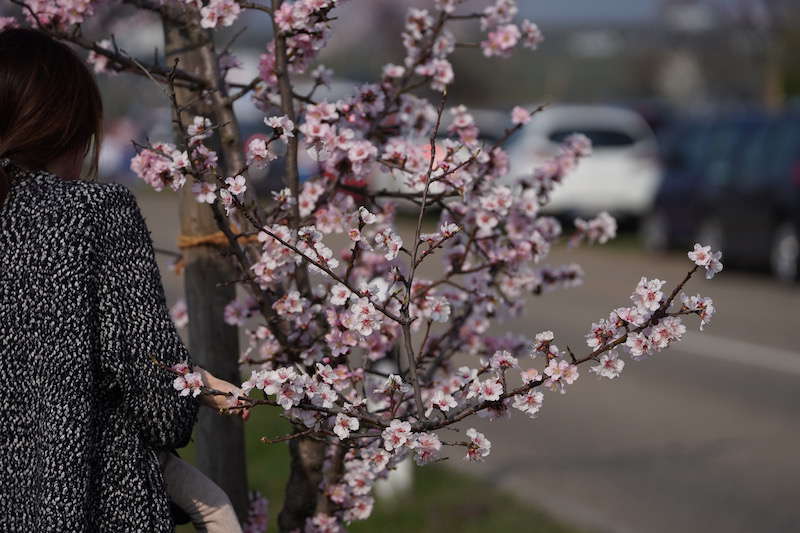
{"x": 441, "y": 500}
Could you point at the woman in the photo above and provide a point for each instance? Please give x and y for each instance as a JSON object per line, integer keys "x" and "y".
{"x": 84, "y": 411}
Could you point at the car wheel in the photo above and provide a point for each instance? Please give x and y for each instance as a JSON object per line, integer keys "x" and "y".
{"x": 785, "y": 253}
{"x": 710, "y": 233}
{"x": 654, "y": 232}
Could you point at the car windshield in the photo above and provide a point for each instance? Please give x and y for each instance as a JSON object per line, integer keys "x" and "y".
{"x": 600, "y": 137}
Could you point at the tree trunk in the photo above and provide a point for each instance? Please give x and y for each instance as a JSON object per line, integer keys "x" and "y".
{"x": 302, "y": 489}
{"x": 213, "y": 344}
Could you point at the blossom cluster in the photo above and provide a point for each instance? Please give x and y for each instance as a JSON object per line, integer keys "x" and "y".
{"x": 187, "y": 381}
{"x": 599, "y": 229}
{"x": 304, "y": 26}
{"x": 702, "y": 256}
{"x": 345, "y": 332}
{"x": 218, "y": 13}
{"x": 59, "y": 13}
{"x": 8, "y": 22}
{"x": 162, "y": 165}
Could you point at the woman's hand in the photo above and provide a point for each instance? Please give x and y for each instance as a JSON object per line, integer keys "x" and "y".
{"x": 219, "y": 402}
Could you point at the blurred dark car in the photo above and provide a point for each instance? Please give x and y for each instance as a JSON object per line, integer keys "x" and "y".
{"x": 733, "y": 183}
{"x": 694, "y": 152}
{"x": 758, "y": 200}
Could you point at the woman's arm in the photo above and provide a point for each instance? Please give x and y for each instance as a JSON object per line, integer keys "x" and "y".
{"x": 135, "y": 325}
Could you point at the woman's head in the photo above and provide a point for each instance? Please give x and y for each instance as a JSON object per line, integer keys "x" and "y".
{"x": 50, "y": 107}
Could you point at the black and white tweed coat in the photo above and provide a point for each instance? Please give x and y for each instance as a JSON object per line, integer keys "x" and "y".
{"x": 83, "y": 409}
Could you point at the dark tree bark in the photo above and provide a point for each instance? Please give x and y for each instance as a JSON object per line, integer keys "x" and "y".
{"x": 307, "y": 458}
{"x": 213, "y": 344}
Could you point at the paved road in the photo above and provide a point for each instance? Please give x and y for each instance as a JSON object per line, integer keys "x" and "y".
{"x": 702, "y": 438}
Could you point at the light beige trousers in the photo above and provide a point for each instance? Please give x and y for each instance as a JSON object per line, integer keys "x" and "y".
{"x": 206, "y": 504}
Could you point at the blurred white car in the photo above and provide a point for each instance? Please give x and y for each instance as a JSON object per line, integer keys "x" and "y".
{"x": 622, "y": 174}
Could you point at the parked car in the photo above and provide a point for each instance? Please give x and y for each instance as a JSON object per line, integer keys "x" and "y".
{"x": 695, "y": 153}
{"x": 757, "y": 203}
{"x": 620, "y": 177}
{"x": 734, "y": 183}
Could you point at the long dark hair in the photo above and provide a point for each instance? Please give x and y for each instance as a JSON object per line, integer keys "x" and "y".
{"x": 49, "y": 103}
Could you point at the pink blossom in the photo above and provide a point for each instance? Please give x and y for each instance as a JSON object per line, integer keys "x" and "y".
{"x": 8, "y": 23}
{"x": 323, "y": 111}
{"x": 667, "y": 330}
{"x": 529, "y": 402}
{"x": 703, "y": 306}
{"x": 491, "y": 389}
{"x": 530, "y": 375}
{"x": 570, "y": 374}
{"x": 227, "y": 201}
{"x": 609, "y": 365}
{"x": 440, "y": 400}
{"x": 397, "y": 435}
{"x": 558, "y": 369}
{"x": 259, "y": 154}
{"x": 290, "y": 304}
{"x": 393, "y": 71}
{"x": 236, "y": 312}
{"x": 322, "y": 523}
{"x": 602, "y": 333}
{"x": 648, "y": 295}
{"x": 531, "y": 35}
{"x": 204, "y": 192}
{"x": 360, "y": 509}
{"x": 638, "y": 344}
{"x": 161, "y": 166}
{"x": 179, "y": 313}
{"x": 237, "y": 185}
{"x": 436, "y": 309}
{"x": 291, "y": 15}
{"x": 426, "y": 446}
{"x": 204, "y": 158}
{"x": 503, "y": 360}
{"x": 501, "y": 41}
{"x": 189, "y": 383}
{"x": 181, "y": 368}
{"x": 600, "y": 229}
{"x": 478, "y": 446}
{"x": 701, "y": 255}
{"x": 62, "y": 13}
{"x": 440, "y": 71}
{"x": 288, "y": 396}
{"x": 714, "y": 265}
{"x": 339, "y": 294}
{"x": 393, "y": 383}
{"x": 98, "y": 61}
{"x": 520, "y": 115}
{"x": 375, "y": 458}
{"x": 224, "y": 12}
{"x": 199, "y": 129}
{"x": 501, "y": 12}
{"x": 365, "y": 216}
{"x": 326, "y": 373}
{"x": 344, "y": 425}
{"x": 282, "y": 125}
{"x": 389, "y": 241}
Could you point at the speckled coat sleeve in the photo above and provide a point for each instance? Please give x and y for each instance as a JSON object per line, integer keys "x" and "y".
{"x": 134, "y": 323}
{"x": 83, "y": 410}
